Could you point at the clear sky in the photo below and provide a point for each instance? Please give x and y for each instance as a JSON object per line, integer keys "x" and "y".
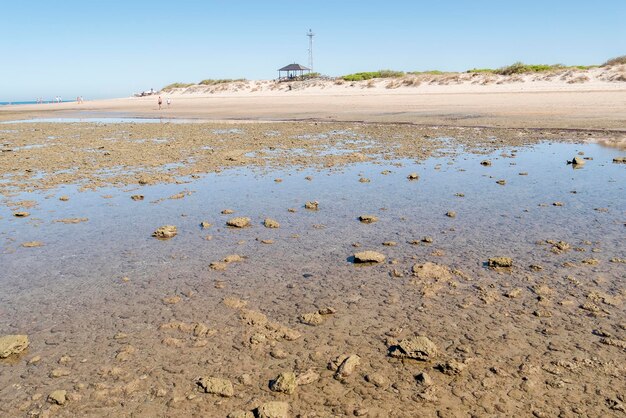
{"x": 112, "y": 48}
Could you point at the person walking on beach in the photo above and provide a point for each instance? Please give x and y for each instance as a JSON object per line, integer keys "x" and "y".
{"x": 168, "y": 101}
{"x": 160, "y": 102}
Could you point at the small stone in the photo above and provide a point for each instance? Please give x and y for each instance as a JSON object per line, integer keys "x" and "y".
{"x": 284, "y": 383}
{"x": 368, "y": 257}
{"x": 279, "y": 354}
{"x": 413, "y": 176}
{"x": 241, "y": 414}
{"x": 273, "y": 410}
{"x": 58, "y": 397}
{"x": 513, "y": 293}
{"x": 423, "y": 379}
{"x": 205, "y": 225}
{"x": 451, "y": 368}
{"x": 32, "y": 244}
{"x": 64, "y": 198}
{"x": 271, "y": 223}
{"x": 216, "y": 386}
{"x": 165, "y": 232}
{"x": 501, "y": 182}
{"x": 485, "y": 163}
{"x": 239, "y": 222}
{"x": 310, "y": 376}
{"x": 34, "y": 360}
{"x": 377, "y": 380}
{"x": 347, "y": 367}
{"x": 500, "y": 262}
{"x": 13, "y": 344}
{"x": 21, "y": 214}
{"x": 557, "y": 204}
{"x": 314, "y": 205}
{"x": 364, "y": 180}
{"x": 459, "y": 194}
{"x": 619, "y": 160}
{"x": 228, "y": 212}
{"x": 137, "y": 197}
{"x": 218, "y": 265}
{"x": 577, "y": 161}
{"x": 278, "y": 180}
{"x": 233, "y": 258}
{"x": 171, "y": 300}
{"x": 327, "y": 311}
{"x": 418, "y": 348}
{"x": 390, "y": 243}
{"x": 427, "y": 240}
{"x": 368, "y": 219}
{"x": 61, "y": 372}
{"x": 522, "y": 173}
{"x": 313, "y": 319}
{"x": 451, "y": 214}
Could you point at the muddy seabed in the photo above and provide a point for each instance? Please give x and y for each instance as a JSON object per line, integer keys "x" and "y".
{"x": 127, "y": 323}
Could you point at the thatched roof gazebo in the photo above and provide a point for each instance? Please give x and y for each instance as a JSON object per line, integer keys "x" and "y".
{"x": 292, "y": 72}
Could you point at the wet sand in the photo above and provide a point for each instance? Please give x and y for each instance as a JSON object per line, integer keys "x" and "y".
{"x": 127, "y": 324}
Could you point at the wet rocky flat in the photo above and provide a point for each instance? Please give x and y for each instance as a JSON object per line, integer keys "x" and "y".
{"x": 166, "y": 306}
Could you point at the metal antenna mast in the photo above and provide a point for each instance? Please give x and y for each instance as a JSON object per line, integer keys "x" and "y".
{"x": 310, "y": 34}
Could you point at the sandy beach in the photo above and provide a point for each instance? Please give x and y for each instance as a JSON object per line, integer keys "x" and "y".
{"x": 448, "y": 246}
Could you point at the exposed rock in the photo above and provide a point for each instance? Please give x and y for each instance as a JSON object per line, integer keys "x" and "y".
{"x": 614, "y": 342}
{"x": 423, "y": 379}
{"x": 60, "y": 372}
{"x": 347, "y": 367}
{"x": 278, "y": 354}
{"x": 432, "y": 271}
{"x": 64, "y": 198}
{"x": 32, "y": 244}
{"x": 418, "y": 348}
{"x": 271, "y": 223}
{"x": 137, "y": 197}
{"x": 313, "y": 319}
{"x": 228, "y": 212}
{"x": 390, "y": 243}
{"x": 273, "y": 410}
{"x": 413, "y": 176}
{"x": 368, "y": 219}
{"x": 239, "y": 222}
{"x": 233, "y": 258}
{"x": 377, "y": 380}
{"x": 218, "y": 265}
{"x": 165, "y": 232}
{"x": 327, "y": 311}
{"x": 58, "y": 397}
{"x": 619, "y": 160}
{"x": 577, "y": 161}
{"x": 451, "y": 214}
{"x": 557, "y": 204}
{"x": 314, "y": 205}
{"x": 13, "y": 344}
{"x": 451, "y": 367}
{"x": 171, "y": 300}
{"x": 364, "y": 180}
{"x": 241, "y": 414}
{"x": 21, "y": 214}
{"x": 368, "y": 257}
{"x": 205, "y": 225}
{"x": 501, "y": 182}
{"x": 500, "y": 262}
{"x": 513, "y": 293}
{"x": 427, "y": 240}
{"x": 485, "y": 162}
{"x": 71, "y": 220}
{"x": 284, "y": 383}
{"x": 308, "y": 377}
{"x": 216, "y": 386}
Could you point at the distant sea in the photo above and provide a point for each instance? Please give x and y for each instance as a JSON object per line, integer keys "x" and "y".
{"x": 32, "y": 102}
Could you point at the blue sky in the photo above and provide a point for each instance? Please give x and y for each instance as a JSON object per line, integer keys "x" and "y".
{"x": 113, "y": 48}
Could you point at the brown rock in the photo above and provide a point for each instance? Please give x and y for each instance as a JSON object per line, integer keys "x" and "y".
{"x": 216, "y": 386}
{"x": 501, "y": 182}
{"x": 418, "y": 348}
{"x": 271, "y": 223}
{"x": 239, "y": 222}
{"x": 58, "y": 397}
{"x": 364, "y": 180}
{"x": 368, "y": 219}
{"x": 313, "y": 205}
{"x": 413, "y": 176}
{"x": 21, "y": 214}
{"x": 32, "y": 244}
{"x": 432, "y": 271}
{"x": 13, "y": 344}
{"x": 284, "y": 383}
{"x": 313, "y": 319}
{"x": 485, "y": 162}
{"x": 347, "y": 367}
{"x": 500, "y": 262}
{"x": 273, "y": 410}
{"x": 137, "y": 197}
{"x": 451, "y": 214}
{"x": 228, "y": 212}
{"x": 165, "y": 232}
{"x": 577, "y": 161}
{"x": 368, "y": 257}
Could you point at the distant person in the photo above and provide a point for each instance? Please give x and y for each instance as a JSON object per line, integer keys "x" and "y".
{"x": 169, "y": 102}
{"x": 160, "y": 102}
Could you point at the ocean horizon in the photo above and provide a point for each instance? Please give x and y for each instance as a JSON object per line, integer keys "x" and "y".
{"x": 33, "y": 102}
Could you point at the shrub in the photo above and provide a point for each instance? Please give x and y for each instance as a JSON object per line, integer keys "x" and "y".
{"x": 373, "y": 74}
{"x": 615, "y": 61}
{"x": 176, "y": 86}
{"x": 211, "y": 82}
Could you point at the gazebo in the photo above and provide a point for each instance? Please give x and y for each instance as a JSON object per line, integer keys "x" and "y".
{"x": 292, "y": 72}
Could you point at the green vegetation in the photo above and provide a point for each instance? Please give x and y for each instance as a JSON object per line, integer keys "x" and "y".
{"x": 176, "y": 86}
{"x": 373, "y": 74}
{"x": 211, "y": 82}
{"x": 615, "y": 61}
{"x": 521, "y": 68}
{"x": 310, "y": 75}
{"x": 429, "y": 72}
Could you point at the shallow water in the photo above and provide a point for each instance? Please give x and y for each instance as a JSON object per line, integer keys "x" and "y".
{"x": 69, "y": 298}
